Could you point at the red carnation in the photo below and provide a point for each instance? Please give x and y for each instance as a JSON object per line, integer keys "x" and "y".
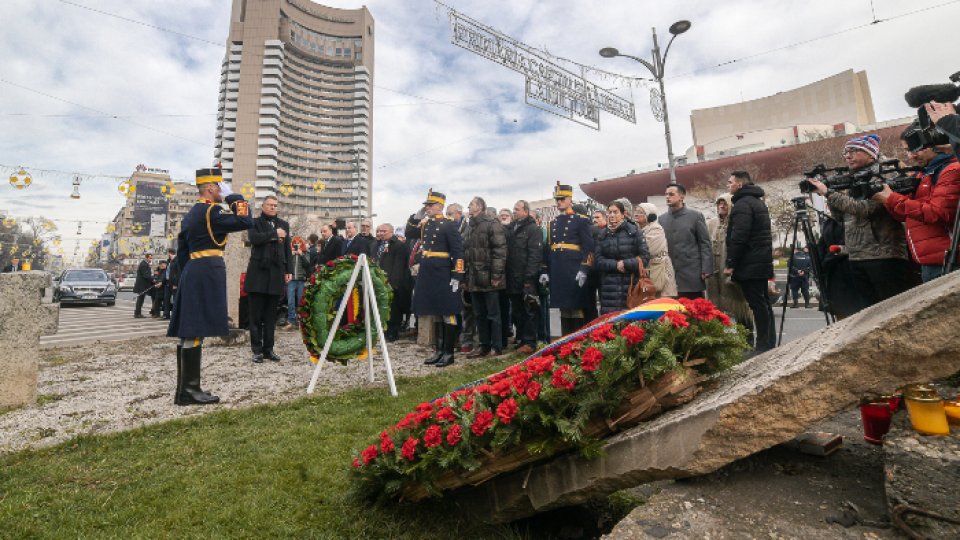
{"x": 313, "y": 281}
{"x": 353, "y": 257}
{"x": 520, "y": 381}
{"x": 724, "y": 319}
{"x": 423, "y": 417}
{"x": 454, "y": 434}
{"x": 369, "y": 454}
{"x": 633, "y": 334}
{"x": 330, "y": 264}
{"x": 356, "y": 463}
{"x": 533, "y": 391}
{"x": 602, "y": 333}
{"x": 506, "y": 410}
{"x": 481, "y": 423}
{"x": 433, "y": 436}
{"x": 678, "y": 320}
{"x": 501, "y": 389}
{"x": 540, "y": 365}
{"x": 409, "y": 448}
{"x": 386, "y": 443}
{"x": 567, "y": 349}
{"x": 564, "y": 377}
{"x": 591, "y": 359}
{"x": 424, "y": 407}
{"x": 407, "y": 421}
{"x": 468, "y": 405}
{"x": 446, "y": 415}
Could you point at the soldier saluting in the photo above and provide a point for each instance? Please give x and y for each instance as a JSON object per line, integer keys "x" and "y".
{"x": 568, "y": 255}
{"x": 436, "y": 292}
{"x": 201, "y": 306}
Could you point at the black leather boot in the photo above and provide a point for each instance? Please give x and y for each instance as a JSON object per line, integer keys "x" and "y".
{"x": 437, "y": 344}
{"x": 176, "y": 393}
{"x": 449, "y": 345}
{"x": 188, "y": 389}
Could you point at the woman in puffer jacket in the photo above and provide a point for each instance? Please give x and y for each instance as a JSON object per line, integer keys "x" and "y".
{"x": 618, "y": 247}
{"x": 660, "y": 267}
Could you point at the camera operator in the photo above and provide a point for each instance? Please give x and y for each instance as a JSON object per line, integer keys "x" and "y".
{"x": 875, "y": 242}
{"x": 944, "y": 116}
{"x": 930, "y": 211}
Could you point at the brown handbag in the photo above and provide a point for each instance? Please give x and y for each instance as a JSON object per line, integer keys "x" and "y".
{"x": 641, "y": 291}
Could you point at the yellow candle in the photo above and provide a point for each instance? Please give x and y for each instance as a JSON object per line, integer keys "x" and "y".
{"x": 926, "y": 410}
{"x": 952, "y": 408}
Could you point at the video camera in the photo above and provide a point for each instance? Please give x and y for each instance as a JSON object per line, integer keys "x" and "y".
{"x": 923, "y": 134}
{"x": 864, "y": 183}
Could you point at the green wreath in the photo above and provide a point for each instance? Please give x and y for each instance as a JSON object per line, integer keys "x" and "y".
{"x": 318, "y": 309}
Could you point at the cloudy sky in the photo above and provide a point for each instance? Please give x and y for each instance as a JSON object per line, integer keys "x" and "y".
{"x": 83, "y": 91}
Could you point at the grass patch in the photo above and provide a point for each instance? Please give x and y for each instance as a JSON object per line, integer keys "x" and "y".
{"x": 268, "y": 471}
{"x": 8, "y": 408}
{"x": 44, "y": 399}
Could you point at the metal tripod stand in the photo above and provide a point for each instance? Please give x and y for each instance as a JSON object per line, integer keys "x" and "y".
{"x": 801, "y": 222}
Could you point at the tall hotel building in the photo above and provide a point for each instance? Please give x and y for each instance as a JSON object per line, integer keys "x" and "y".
{"x": 296, "y": 105}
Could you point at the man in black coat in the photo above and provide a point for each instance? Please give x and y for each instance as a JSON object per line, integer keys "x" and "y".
{"x": 332, "y": 246}
{"x": 170, "y": 284}
{"x": 524, "y": 259}
{"x": 750, "y": 253}
{"x": 267, "y": 275}
{"x": 353, "y": 243}
{"x": 143, "y": 284}
{"x": 160, "y": 282}
{"x": 392, "y": 256}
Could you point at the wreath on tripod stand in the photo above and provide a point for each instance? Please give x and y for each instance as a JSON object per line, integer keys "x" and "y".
{"x": 321, "y": 300}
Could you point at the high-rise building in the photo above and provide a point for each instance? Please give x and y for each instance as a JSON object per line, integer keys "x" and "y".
{"x": 296, "y": 106}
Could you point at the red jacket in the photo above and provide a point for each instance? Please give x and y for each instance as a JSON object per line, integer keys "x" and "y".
{"x": 929, "y": 213}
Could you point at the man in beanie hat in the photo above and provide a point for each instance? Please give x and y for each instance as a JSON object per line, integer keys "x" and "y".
{"x": 875, "y": 242}
{"x": 200, "y": 309}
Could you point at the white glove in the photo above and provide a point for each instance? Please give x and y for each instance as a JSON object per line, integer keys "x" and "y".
{"x": 544, "y": 279}
{"x": 225, "y": 189}
{"x": 581, "y": 278}
{"x": 454, "y": 285}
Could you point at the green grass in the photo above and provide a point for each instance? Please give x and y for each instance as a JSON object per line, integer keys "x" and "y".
{"x": 44, "y": 399}
{"x": 269, "y": 471}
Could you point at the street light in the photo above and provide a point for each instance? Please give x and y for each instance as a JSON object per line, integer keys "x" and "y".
{"x": 656, "y": 68}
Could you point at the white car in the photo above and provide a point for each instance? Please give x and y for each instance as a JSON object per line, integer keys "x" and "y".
{"x": 126, "y": 281}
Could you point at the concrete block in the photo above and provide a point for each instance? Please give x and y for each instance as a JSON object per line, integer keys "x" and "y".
{"x": 23, "y": 319}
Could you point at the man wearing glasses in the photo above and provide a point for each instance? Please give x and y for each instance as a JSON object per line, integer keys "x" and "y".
{"x": 875, "y": 242}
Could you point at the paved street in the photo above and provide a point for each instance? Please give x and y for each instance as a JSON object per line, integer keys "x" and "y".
{"x": 89, "y": 324}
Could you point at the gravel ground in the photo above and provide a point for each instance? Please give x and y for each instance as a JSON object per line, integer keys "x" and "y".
{"x": 118, "y": 386}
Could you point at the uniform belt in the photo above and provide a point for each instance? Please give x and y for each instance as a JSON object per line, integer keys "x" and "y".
{"x": 436, "y": 254}
{"x": 573, "y": 247}
{"x": 206, "y": 253}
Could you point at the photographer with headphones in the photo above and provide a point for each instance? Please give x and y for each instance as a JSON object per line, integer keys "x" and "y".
{"x": 929, "y": 212}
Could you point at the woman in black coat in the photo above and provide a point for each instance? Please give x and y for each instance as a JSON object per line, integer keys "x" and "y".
{"x": 618, "y": 247}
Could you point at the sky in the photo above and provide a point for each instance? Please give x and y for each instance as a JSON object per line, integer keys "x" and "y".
{"x": 85, "y": 92}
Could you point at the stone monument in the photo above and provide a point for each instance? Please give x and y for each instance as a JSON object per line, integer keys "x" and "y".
{"x": 23, "y": 319}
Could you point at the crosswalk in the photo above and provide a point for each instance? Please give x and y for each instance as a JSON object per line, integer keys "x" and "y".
{"x": 89, "y": 324}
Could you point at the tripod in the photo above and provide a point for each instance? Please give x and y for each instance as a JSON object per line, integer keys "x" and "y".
{"x": 801, "y": 222}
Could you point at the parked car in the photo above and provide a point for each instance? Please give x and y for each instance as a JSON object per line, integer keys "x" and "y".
{"x": 85, "y": 286}
{"x": 126, "y": 281}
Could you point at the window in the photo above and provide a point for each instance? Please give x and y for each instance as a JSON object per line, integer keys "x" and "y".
{"x": 347, "y": 52}
{"x": 339, "y": 51}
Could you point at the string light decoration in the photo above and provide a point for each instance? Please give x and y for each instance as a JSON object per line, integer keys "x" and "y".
{"x": 136, "y": 228}
{"x": 247, "y": 190}
{"x": 127, "y": 188}
{"x": 319, "y": 186}
{"x": 9, "y": 222}
{"x": 76, "y": 188}
{"x": 21, "y": 179}
{"x": 286, "y": 189}
{"x": 168, "y": 190}
{"x": 111, "y": 228}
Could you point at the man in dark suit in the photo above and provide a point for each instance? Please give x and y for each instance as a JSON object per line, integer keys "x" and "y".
{"x": 332, "y": 245}
{"x": 160, "y": 281}
{"x": 14, "y": 266}
{"x": 143, "y": 284}
{"x": 267, "y": 275}
{"x": 353, "y": 243}
{"x": 171, "y": 280}
{"x": 392, "y": 256}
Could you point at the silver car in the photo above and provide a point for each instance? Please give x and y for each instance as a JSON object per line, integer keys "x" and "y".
{"x": 85, "y": 286}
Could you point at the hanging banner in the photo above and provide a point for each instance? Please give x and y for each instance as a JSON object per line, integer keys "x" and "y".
{"x": 548, "y": 86}
{"x": 149, "y": 201}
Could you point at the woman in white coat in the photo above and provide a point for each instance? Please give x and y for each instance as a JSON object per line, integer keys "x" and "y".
{"x": 660, "y": 268}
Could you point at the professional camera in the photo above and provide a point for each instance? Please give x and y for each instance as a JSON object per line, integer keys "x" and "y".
{"x": 864, "y": 183}
{"x": 918, "y": 137}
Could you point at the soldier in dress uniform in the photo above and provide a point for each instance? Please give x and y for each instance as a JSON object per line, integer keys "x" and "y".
{"x": 568, "y": 255}
{"x": 436, "y": 292}
{"x": 200, "y": 309}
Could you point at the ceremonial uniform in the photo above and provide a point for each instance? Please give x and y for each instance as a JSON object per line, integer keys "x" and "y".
{"x": 568, "y": 252}
{"x": 200, "y": 309}
{"x": 436, "y": 292}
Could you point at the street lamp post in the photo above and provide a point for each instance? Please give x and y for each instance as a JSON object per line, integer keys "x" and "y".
{"x": 657, "y": 70}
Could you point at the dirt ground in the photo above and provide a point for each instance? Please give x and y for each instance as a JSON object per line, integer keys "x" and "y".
{"x": 115, "y": 386}
{"x": 777, "y": 493}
